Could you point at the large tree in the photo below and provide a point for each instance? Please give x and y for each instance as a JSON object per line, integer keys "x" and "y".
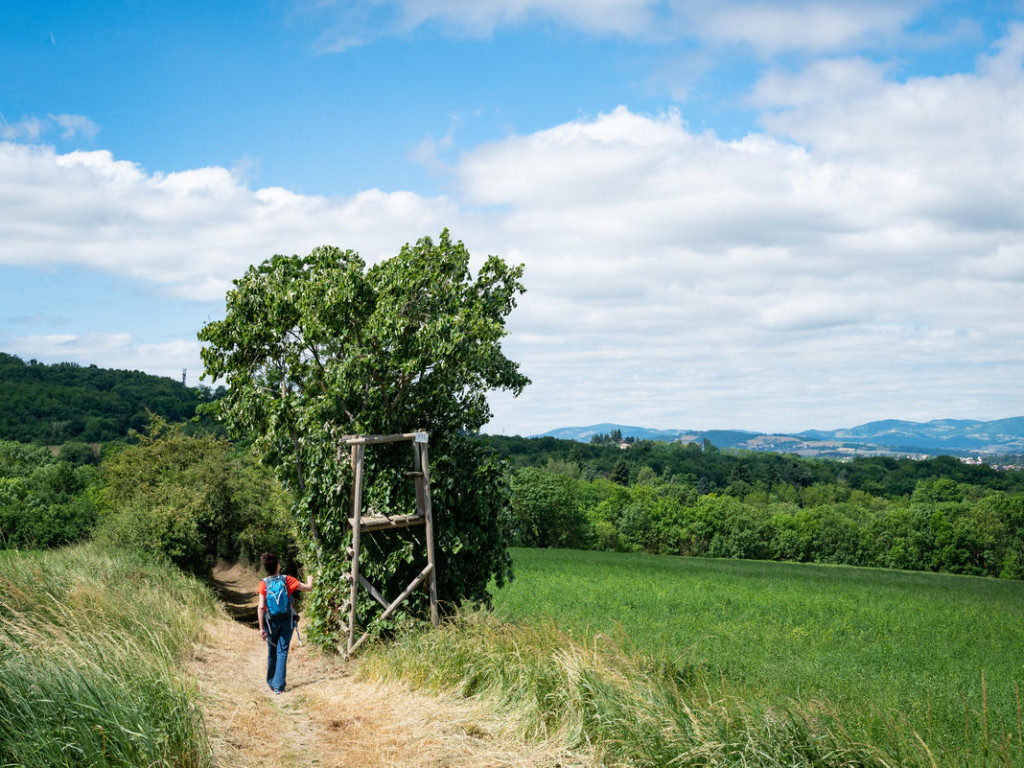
{"x": 318, "y": 347}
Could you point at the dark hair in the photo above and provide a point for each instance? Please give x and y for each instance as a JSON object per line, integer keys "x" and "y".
{"x": 270, "y": 562}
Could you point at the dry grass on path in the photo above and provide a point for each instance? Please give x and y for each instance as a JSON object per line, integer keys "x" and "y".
{"x": 327, "y": 718}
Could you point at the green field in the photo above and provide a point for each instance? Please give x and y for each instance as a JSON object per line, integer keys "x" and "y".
{"x": 884, "y": 646}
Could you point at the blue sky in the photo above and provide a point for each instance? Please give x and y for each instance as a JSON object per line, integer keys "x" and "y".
{"x": 767, "y": 215}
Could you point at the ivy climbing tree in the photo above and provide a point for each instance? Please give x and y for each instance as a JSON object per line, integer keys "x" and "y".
{"x": 319, "y": 347}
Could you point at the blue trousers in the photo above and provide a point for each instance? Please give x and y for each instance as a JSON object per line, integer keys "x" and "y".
{"x": 277, "y": 651}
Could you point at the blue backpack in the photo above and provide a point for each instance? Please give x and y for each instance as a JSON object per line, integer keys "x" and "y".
{"x": 278, "y": 602}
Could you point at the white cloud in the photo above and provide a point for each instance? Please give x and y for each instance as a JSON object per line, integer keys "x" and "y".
{"x": 75, "y": 125}
{"x": 822, "y": 80}
{"x": 28, "y": 128}
{"x": 772, "y": 27}
{"x": 769, "y": 27}
{"x": 430, "y": 151}
{"x": 480, "y": 18}
{"x": 192, "y": 231}
{"x": 860, "y": 258}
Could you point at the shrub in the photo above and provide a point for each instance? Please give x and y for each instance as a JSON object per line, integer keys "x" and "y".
{"x": 43, "y": 502}
{"x": 193, "y": 499}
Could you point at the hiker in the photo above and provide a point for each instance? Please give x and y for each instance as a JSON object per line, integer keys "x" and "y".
{"x": 276, "y": 617}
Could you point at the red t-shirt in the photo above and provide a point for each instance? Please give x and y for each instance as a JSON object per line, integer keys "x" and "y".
{"x": 289, "y": 581}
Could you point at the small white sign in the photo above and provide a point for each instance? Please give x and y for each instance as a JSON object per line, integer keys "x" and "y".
{"x": 421, "y": 437}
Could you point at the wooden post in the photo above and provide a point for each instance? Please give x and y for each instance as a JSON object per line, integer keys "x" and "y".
{"x": 357, "y": 514}
{"x": 398, "y": 600}
{"x": 373, "y": 592}
{"x": 429, "y": 519}
{"x": 417, "y": 477}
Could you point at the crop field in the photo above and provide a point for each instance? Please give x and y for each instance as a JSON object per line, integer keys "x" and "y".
{"x": 936, "y": 655}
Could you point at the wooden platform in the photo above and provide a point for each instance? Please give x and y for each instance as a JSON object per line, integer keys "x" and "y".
{"x": 386, "y": 523}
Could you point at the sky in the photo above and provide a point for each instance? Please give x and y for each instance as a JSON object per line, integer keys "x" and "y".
{"x": 739, "y": 214}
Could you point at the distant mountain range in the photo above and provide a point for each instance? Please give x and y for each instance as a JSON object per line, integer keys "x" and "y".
{"x": 957, "y": 437}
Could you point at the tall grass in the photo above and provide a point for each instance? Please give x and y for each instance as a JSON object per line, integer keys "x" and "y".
{"x": 896, "y": 652}
{"x": 677, "y": 661}
{"x": 628, "y": 708}
{"x": 90, "y": 644}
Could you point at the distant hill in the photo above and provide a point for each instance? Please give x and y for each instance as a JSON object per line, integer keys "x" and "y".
{"x": 954, "y": 436}
{"x": 892, "y": 436}
{"x": 68, "y": 402}
{"x": 583, "y": 434}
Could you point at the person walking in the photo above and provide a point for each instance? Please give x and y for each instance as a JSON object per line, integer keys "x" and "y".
{"x": 276, "y": 617}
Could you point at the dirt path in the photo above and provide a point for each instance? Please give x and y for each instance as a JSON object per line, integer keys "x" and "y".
{"x": 328, "y": 718}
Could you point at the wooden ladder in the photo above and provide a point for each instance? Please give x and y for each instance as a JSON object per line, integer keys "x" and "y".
{"x": 420, "y": 475}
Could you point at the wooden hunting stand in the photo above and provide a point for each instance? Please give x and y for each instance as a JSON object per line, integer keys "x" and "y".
{"x": 420, "y": 475}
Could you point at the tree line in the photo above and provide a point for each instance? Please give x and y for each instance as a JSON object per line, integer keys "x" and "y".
{"x": 739, "y": 473}
{"x": 938, "y": 514}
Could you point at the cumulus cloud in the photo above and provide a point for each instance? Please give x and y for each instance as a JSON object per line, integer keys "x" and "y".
{"x": 192, "y": 231}
{"x": 857, "y": 258}
{"x": 861, "y": 255}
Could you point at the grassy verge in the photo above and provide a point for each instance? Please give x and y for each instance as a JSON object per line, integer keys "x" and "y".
{"x": 627, "y": 708}
{"x": 90, "y": 645}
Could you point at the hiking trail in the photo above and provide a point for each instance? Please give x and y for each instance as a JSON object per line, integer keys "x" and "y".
{"x": 329, "y": 718}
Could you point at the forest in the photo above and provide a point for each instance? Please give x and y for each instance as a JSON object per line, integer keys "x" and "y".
{"x": 66, "y": 402}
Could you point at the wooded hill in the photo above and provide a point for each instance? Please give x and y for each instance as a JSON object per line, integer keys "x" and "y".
{"x": 65, "y": 402}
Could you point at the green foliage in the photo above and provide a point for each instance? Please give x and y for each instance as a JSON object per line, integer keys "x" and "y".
{"x": 20, "y": 460}
{"x": 192, "y": 499}
{"x": 67, "y": 402}
{"x": 739, "y": 473}
{"x": 318, "y": 347}
{"x": 981, "y": 534}
{"x": 691, "y": 500}
{"x": 895, "y": 653}
{"x": 78, "y": 453}
{"x": 545, "y": 510}
{"x": 91, "y": 642}
{"x": 43, "y": 502}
